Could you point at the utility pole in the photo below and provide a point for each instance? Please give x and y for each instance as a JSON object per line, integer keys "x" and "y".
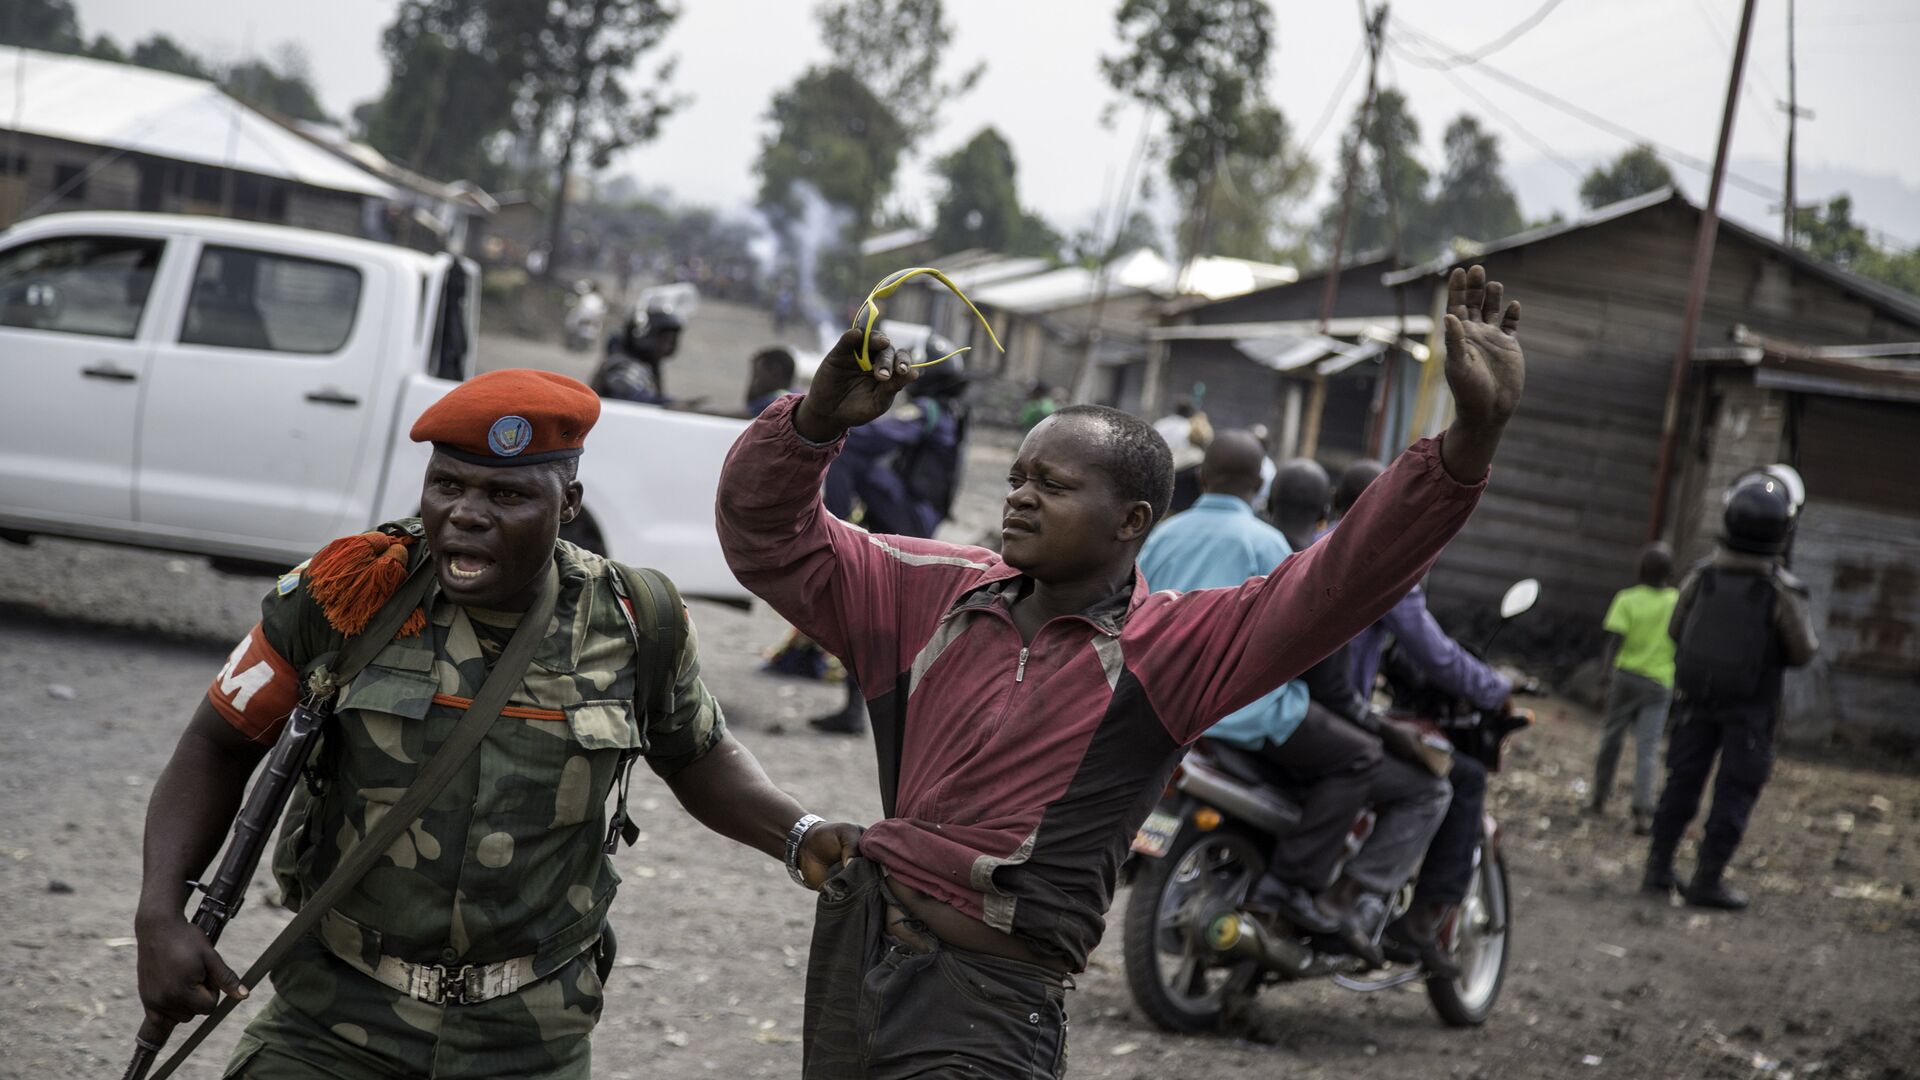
{"x": 1697, "y": 282}
{"x": 1376, "y": 25}
{"x": 1794, "y": 115}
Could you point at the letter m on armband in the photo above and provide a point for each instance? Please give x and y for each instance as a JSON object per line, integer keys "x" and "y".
{"x": 256, "y": 689}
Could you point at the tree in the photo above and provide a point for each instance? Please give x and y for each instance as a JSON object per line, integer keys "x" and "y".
{"x": 1390, "y": 183}
{"x": 1830, "y": 234}
{"x": 50, "y": 25}
{"x": 835, "y": 141}
{"x": 283, "y": 88}
{"x": 105, "y": 48}
{"x": 450, "y": 90}
{"x": 981, "y": 207}
{"x": 1255, "y": 187}
{"x": 162, "y": 53}
{"x": 572, "y": 98}
{"x": 895, "y": 47}
{"x": 1201, "y": 65}
{"x": 1474, "y": 199}
{"x": 1634, "y": 172}
{"x": 1092, "y": 251}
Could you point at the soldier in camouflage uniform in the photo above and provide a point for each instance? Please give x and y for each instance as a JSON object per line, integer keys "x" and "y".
{"x": 469, "y": 950}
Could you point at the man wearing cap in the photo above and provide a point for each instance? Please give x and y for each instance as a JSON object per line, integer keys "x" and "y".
{"x": 631, "y": 370}
{"x": 504, "y": 874}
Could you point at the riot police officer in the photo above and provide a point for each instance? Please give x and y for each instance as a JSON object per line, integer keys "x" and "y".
{"x": 1741, "y": 620}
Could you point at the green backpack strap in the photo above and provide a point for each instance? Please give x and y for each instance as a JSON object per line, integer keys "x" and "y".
{"x": 658, "y": 621}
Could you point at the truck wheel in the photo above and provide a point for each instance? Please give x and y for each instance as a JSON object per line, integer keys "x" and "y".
{"x": 1174, "y": 975}
{"x": 583, "y": 533}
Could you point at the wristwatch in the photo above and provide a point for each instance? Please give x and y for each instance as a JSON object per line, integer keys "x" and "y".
{"x": 794, "y": 836}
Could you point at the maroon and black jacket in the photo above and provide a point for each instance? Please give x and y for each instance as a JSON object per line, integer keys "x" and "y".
{"x": 1014, "y": 776}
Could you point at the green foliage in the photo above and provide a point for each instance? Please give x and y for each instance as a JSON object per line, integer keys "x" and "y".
{"x": 162, "y": 53}
{"x": 1202, "y": 65}
{"x": 450, "y": 91}
{"x": 896, "y": 48}
{"x": 981, "y": 208}
{"x": 1087, "y": 249}
{"x": 1829, "y": 233}
{"x": 1387, "y": 152}
{"x": 1256, "y": 185}
{"x": 1635, "y": 172}
{"x": 50, "y": 25}
{"x": 574, "y": 96}
{"x": 284, "y": 90}
{"x": 832, "y": 134}
{"x": 1474, "y": 200}
{"x": 105, "y": 48}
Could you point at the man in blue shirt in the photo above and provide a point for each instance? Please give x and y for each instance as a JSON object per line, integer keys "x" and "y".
{"x": 1331, "y": 767}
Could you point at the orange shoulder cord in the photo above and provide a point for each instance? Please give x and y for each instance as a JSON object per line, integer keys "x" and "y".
{"x": 351, "y": 577}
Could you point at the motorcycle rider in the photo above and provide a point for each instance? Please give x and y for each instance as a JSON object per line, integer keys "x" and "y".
{"x": 1298, "y": 500}
{"x": 631, "y": 370}
{"x": 1333, "y": 768}
{"x": 1741, "y": 620}
{"x": 1448, "y": 869}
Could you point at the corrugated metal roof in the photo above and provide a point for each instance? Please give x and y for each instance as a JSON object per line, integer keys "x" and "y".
{"x": 1903, "y": 304}
{"x": 100, "y": 103}
{"x": 1072, "y": 286}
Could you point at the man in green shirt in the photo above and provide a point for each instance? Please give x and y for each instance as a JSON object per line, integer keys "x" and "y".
{"x": 1640, "y": 658}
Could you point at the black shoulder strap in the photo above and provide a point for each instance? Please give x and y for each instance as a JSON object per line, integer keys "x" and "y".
{"x": 658, "y": 621}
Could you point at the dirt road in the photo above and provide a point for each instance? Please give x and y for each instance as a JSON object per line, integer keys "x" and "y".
{"x": 103, "y": 653}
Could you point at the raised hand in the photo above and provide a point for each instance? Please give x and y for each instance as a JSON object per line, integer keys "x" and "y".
{"x": 843, "y": 396}
{"x": 1485, "y": 370}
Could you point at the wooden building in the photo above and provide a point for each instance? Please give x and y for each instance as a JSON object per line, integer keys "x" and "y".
{"x": 84, "y": 134}
{"x": 1848, "y": 418}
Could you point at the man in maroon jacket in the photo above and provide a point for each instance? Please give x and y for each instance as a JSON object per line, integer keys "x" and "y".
{"x": 1028, "y": 706}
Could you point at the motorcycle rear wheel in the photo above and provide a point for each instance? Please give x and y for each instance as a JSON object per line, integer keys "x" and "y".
{"x": 1171, "y": 971}
{"x": 1486, "y": 922}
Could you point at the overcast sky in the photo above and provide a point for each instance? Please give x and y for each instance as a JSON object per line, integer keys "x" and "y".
{"x": 1655, "y": 67}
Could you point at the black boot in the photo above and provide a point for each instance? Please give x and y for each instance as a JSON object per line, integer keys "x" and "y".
{"x": 850, "y": 720}
{"x": 1659, "y": 877}
{"x": 1706, "y": 890}
{"x": 1416, "y": 935}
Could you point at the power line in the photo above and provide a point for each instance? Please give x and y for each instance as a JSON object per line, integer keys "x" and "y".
{"x": 1333, "y": 103}
{"x": 1503, "y": 40}
{"x": 1587, "y": 115}
{"x": 1545, "y": 148}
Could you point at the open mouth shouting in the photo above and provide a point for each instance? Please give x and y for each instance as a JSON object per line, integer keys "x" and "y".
{"x": 464, "y": 569}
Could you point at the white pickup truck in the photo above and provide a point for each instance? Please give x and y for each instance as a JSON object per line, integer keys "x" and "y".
{"x": 244, "y": 392}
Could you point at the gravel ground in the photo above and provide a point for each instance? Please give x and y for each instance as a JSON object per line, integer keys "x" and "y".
{"x": 104, "y": 651}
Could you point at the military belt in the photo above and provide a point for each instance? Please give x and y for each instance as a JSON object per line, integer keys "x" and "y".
{"x": 468, "y": 984}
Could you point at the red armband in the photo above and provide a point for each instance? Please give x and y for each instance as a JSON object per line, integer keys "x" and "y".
{"x": 256, "y": 690}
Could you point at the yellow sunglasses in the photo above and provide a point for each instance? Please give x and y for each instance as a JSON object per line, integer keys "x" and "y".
{"x": 870, "y": 312}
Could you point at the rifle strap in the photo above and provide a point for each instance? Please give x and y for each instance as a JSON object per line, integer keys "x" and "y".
{"x": 432, "y": 779}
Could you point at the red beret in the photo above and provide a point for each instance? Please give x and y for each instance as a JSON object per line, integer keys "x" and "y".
{"x": 513, "y": 417}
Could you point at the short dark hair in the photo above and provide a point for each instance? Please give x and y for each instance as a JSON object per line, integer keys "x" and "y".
{"x": 1139, "y": 464}
{"x": 777, "y": 363}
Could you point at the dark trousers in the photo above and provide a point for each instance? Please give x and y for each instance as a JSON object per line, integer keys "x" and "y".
{"x": 1743, "y": 740}
{"x": 879, "y": 1011}
{"x": 1448, "y": 871}
{"x": 1323, "y": 764}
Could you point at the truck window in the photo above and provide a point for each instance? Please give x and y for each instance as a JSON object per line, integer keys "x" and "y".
{"x": 94, "y": 285}
{"x": 279, "y": 303}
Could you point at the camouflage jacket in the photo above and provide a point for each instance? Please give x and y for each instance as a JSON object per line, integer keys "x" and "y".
{"x": 507, "y": 861}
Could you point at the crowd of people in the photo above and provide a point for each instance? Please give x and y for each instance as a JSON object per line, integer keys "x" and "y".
{"x": 1027, "y": 704}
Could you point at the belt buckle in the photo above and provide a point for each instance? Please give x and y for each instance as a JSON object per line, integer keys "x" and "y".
{"x": 439, "y": 985}
{"x": 458, "y": 985}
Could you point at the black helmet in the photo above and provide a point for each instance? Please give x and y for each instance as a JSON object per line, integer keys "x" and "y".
{"x": 1758, "y": 516}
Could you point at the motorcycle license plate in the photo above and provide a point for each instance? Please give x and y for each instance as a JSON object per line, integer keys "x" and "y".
{"x": 1157, "y": 833}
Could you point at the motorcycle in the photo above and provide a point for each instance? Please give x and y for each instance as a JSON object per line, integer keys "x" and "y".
{"x": 1193, "y": 957}
{"x": 586, "y": 318}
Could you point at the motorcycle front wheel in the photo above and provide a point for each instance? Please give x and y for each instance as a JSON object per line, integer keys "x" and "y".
{"x": 1176, "y": 978}
{"x": 1480, "y": 949}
